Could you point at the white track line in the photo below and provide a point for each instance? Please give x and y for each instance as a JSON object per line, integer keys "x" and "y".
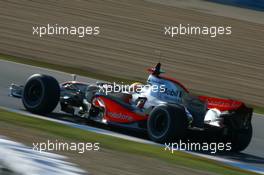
{"x": 23, "y": 160}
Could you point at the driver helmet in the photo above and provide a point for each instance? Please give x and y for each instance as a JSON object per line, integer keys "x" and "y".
{"x": 136, "y": 87}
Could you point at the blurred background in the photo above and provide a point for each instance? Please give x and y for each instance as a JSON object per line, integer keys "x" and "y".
{"x": 133, "y": 31}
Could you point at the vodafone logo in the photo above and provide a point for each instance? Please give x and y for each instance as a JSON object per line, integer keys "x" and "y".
{"x": 120, "y": 116}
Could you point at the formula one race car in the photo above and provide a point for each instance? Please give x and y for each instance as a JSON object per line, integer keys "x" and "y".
{"x": 163, "y": 107}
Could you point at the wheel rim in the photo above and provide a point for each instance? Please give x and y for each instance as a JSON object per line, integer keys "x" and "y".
{"x": 160, "y": 124}
{"x": 34, "y": 92}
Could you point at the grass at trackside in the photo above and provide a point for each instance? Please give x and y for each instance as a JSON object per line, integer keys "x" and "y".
{"x": 259, "y": 110}
{"x": 117, "y": 144}
{"x": 86, "y": 73}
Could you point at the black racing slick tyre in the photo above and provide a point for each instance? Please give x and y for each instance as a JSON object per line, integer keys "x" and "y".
{"x": 240, "y": 139}
{"x": 167, "y": 123}
{"x": 41, "y": 94}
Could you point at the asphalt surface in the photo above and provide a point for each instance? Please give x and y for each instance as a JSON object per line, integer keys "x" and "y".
{"x": 18, "y": 73}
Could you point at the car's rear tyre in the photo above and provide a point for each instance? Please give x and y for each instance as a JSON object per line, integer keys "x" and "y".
{"x": 41, "y": 94}
{"x": 240, "y": 139}
{"x": 167, "y": 123}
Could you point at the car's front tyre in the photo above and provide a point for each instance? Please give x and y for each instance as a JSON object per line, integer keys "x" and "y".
{"x": 41, "y": 94}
